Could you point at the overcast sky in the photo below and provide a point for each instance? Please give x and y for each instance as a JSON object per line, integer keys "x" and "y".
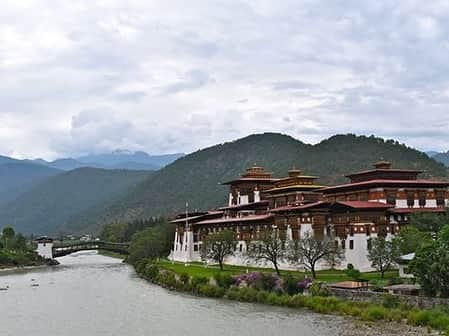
{"x": 170, "y": 76}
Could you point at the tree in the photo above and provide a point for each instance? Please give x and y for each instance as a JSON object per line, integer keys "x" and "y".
{"x": 431, "y": 265}
{"x": 270, "y": 247}
{"x": 149, "y": 243}
{"x": 383, "y": 254}
{"x": 218, "y": 246}
{"x": 8, "y": 234}
{"x": 309, "y": 250}
{"x": 429, "y": 222}
{"x": 410, "y": 239}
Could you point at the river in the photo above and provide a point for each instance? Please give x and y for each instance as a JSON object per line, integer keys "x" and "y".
{"x": 90, "y": 295}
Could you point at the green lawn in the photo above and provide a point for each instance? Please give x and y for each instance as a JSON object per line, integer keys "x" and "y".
{"x": 199, "y": 269}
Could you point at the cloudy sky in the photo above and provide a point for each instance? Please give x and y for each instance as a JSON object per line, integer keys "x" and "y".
{"x": 169, "y": 76}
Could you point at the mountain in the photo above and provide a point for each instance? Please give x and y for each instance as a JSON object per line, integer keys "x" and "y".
{"x": 432, "y": 153}
{"x": 17, "y": 176}
{"x": 442, "y": 157}
{"x": 48, "y": 206}
{"x": 123, "y": 158}
{"x": 196, "y": 177}
{"x": 120, "y": 159}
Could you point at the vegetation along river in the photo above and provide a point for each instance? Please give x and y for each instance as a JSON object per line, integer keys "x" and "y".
{"x": 91, "y": 294}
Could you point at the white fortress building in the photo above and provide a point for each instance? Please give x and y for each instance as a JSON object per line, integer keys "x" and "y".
{"x": 375, "y": 203}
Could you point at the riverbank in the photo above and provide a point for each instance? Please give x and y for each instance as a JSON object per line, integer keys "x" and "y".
{"x": 391, "y": 317}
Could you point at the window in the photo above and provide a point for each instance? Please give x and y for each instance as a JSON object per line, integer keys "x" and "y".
{"x": 440, "y": 199}
{"x": 410, "y": 200}
{"x": 240, "y": 247}
{"x": 351, "y": 244}
{"x": 391, "y": 198}
{"x": 422, "y": 199}
{"x": 343, "y": 244}
{"x": 195, "y": 248}
{"x": 369, "y": 244}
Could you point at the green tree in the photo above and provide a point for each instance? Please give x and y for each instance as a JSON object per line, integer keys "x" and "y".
{"x": 431, "y": 223}
{"x": 383, "y": 254}
{"x": 218, "y": 246}
{"x": 7, "y": 234}
{"x": 149, "y": 243}
{"x": 410, "y": 239}
{"x": 309, "y": 250}
{"x": 431, "y": 265}
{"x": 270, "y": 247}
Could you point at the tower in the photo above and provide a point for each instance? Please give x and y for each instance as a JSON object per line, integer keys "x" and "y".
{"x": 45, "y": 247}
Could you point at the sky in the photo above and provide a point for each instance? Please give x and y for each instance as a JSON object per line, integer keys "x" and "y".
{"x": 165, "y": 76}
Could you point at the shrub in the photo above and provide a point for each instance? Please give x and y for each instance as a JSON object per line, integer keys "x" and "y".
{"x": 248, "y": 294}
{"x": 262, "y": 296}
{"x": 298, "y": 301}
{"x": 223, "y": 280}
{"x": 272, "y": 299}
{"x": 390, "y": 301}
{"x": 292, "y": 285}
{"x": 317, "y": 289}
{"x": 375, "y": 313}
{"x": 151, "y": 271}
{"x": 233, "y": 293}
{"x": 168, "y": 279}
{"x": 184, "y": 278}
{"x": 198, "y": 280}
{"x": 211, "y": 291}
{"x": 352, "y": 272}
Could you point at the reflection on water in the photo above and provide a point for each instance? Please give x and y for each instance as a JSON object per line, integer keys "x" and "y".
{"x": 90, "y": 294}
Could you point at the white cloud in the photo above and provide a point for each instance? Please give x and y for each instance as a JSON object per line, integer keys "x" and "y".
{"x": 161, "y": 76}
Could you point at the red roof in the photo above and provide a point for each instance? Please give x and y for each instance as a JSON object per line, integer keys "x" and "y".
{"x": 365, "y": 205}
{"x": 236, "y": 219}
{"x": 413, "y": 210}
{"x": 385, "y": 170}
{"x": 398, "y": 183}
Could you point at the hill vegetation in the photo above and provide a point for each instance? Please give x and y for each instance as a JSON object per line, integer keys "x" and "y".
{"x": 442, "y": 157}
{"x": 196, "y": 177}
{"x": 18, "y": 176}
{"x": 47, "y": 207}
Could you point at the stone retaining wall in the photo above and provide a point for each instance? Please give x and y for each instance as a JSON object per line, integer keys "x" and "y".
{"x": 376, "y": 297}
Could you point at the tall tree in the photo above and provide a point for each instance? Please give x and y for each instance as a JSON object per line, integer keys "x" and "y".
{"x": 431, "y": 265}
{"x": 410, "y": 239}
{"x": 149, "y": 243}
{"x": 309, "y": 250}
{"x": 7, "y": 234}
{"x": 218, "y": 246}
{"x": 383, "y": 254}
{"x": 430, "y": 222}
{"x": 270, "y": 247}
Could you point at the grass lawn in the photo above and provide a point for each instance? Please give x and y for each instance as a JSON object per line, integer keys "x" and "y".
{"x": 199, "y": 269}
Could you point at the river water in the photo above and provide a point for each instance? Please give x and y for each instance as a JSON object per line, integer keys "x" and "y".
{"x": 90, "y": 295}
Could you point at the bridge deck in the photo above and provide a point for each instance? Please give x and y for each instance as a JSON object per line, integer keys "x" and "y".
{"x": 62, "y": 250}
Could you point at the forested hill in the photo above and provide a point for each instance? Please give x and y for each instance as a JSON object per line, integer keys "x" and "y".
{"x": 196, "y": 177}
{"x": 442, "y": 157}
{"x": 47, "y": 207}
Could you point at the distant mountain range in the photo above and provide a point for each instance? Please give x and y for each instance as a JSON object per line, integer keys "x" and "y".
{"x": 20, "y": 176}
{"x": 82, "y": 200}
{"x": 119, "y": 159}
{"x": 440, "y": 157}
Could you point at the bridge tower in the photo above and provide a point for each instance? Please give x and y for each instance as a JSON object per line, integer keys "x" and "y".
{"x": 45, "y": 247}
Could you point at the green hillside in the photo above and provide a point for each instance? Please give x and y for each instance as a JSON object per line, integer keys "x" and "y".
{"x": 48, "y": 206}
{"x": 442, "y": 157}
{"x": 196, "y": 177}
{"x": 18, "y": 176}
